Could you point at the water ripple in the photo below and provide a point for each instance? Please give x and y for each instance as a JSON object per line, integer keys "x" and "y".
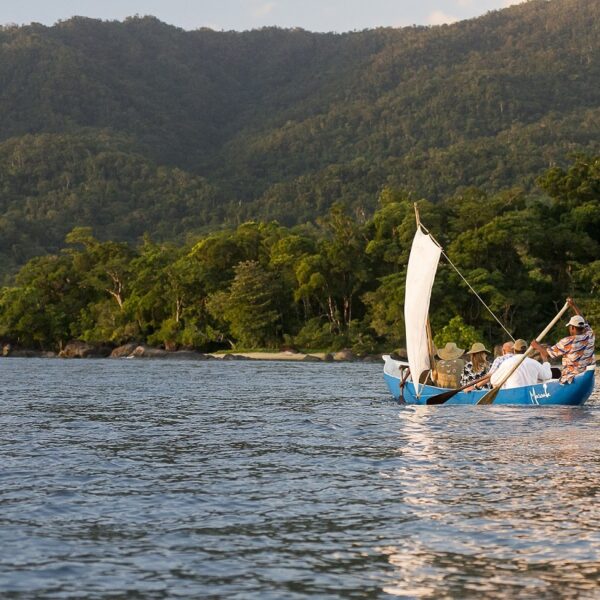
{"x": 269, "y": 480}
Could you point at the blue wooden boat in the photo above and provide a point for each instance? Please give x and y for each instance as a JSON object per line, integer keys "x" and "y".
{"x": 549, "y": 393}
{"x": 422, "y": 266}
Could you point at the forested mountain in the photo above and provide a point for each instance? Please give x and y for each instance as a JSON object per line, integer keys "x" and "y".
{"x": 138, "y": 126}
{"x": 49, "y": 182}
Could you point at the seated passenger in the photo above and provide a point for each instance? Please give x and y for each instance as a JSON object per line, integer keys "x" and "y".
{"x": 450, "y": 367}
{"x": 529, "y": 372}
{"x": 507, "y": 352}
{"x": 477, "y": 366}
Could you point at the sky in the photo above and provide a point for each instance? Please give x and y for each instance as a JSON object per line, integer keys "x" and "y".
{"x": 240, "y": 15}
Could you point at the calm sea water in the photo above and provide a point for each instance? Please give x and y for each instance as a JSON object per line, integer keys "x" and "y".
{"x": 152, "y": 479}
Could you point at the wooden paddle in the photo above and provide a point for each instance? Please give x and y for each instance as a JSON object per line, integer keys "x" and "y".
{"x": 445, "y": 396}
{"x": 402, "y": 384}
{"x": 491, "y": 395}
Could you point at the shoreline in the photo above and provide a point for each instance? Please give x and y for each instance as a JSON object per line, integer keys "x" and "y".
{"x": 151, "y": 353}
{"x": 81, "y": 351}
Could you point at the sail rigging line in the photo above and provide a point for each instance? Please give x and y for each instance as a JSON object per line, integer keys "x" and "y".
{"x": 463, "y": 278}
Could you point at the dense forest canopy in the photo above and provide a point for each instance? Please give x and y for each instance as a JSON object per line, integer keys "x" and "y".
{"x": 137, "y": 126}
{"x": 334, "y": 284}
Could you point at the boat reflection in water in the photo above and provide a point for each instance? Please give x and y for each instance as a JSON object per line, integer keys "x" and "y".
{"x": 495, "y": 507}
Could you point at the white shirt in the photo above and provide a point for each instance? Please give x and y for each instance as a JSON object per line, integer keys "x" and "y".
{"x": 529, "y": 372}
{"x": 498, "y": 361}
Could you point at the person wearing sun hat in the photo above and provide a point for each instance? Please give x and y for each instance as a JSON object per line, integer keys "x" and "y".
{"x": 507, "y": 353}
{"x": 450, "y": 367}
{"x": 477, "y": 365}
{"x": 577, "y": 349}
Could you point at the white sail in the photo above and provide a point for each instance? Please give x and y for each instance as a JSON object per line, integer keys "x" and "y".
{"x": 422, "y": 265}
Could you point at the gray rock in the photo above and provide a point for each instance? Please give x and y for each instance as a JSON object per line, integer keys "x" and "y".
{"x": 26, "y": 353}
{"x": 371, "y": 358}
{"x": 143, "y": 351}
{"x": 288, "y": 349}
{"x": 346, "y": 354}
{"x": 234, "y": 357}
{"x": 79, "y": 349}
{"x": 123, "y": 351}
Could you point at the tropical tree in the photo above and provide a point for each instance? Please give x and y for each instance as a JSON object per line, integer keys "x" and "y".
{"x": 251, "y": 307}
{"x": 105, "y": 271}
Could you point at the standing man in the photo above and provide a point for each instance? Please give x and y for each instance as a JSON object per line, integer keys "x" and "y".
{"x": 577, "y": 349}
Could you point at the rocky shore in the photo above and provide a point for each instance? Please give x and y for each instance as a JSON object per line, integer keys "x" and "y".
{"x": 78, "y": 349}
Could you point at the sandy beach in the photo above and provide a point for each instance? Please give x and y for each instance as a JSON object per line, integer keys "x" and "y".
{"x": 298, "y": 356}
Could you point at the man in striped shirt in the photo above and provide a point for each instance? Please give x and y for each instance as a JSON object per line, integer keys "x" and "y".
{"x": 577, "y": 349}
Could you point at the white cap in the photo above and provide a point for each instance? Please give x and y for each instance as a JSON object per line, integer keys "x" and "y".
{"x": 576, "y": 321}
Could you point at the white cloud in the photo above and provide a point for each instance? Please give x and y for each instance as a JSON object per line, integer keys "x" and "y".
{"x": 437, "y": 17}
{"x": 264, "y": 9}
{"x": 502, "y": 3}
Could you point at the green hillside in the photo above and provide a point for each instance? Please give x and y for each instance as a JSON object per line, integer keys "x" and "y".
{"x": 137, "y": 126}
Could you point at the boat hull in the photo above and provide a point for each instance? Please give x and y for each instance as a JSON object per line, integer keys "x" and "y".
{"x": 550, "y": 393}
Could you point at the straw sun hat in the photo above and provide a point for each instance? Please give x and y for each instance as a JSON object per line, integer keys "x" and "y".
{"x": 478, "y": 347}
{"x": 520, "y": 345}
{"x": 450, "y": 351}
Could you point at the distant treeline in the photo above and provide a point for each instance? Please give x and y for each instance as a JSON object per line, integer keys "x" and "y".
{"x": 339, "y": 283}
{"x": 137, "y": 126}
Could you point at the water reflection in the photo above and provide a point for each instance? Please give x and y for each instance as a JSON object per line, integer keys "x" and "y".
{"x": 262, "y": 481}
{"x": 505, "y": 502}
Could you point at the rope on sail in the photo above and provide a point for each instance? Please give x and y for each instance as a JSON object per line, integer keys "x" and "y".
{"x": 468, "y": 284}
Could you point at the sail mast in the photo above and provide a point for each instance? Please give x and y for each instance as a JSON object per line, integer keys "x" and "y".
{"x": 417, "y": 217}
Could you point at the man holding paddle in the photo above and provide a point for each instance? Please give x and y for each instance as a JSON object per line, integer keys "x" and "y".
{"x": 577, "y": 349}
{"x": 529, "y": 371}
